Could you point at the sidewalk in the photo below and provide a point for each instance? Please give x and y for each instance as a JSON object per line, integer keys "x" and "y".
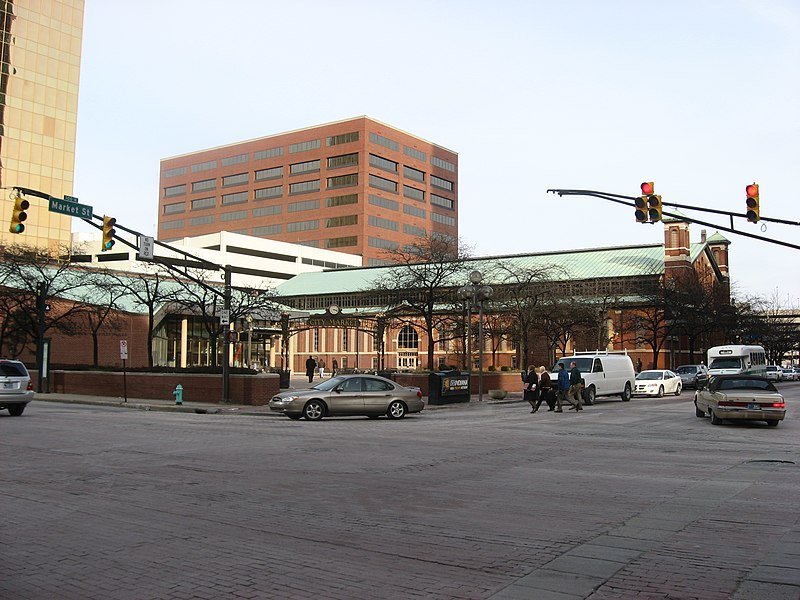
{"x": 297, "y": 383}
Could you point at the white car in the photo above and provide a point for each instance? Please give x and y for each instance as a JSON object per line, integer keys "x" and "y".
{"x": 657, "y": 382}
{"x": 788, "y": 374}
{"x": 774, "y": 373}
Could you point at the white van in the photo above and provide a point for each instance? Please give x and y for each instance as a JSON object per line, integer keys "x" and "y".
{"x": 604, "y": 374}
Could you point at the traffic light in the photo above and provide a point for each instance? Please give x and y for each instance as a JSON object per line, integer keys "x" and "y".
{"x": 753, "y": 203}
{"x": 655, "y": 210}
{"x": 641, "y": 209}
{"x": 108, "y": 233}
{"x": 18, "y": 214}
{"x": 648, "y": 188}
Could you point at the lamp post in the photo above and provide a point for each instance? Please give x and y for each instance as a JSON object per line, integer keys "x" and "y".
{"x": 475, "y": 294}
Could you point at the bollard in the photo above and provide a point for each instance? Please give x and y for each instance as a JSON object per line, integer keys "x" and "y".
{"x": 178, "y": 393}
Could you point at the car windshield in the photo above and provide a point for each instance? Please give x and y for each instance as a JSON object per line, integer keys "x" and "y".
{"x": 583, "y": 364}
{"x": 328, "y": 384}
{"x": 686, "y": 370}
{"x": 650, "y": 375}
{"x": 729, "y": 362}
{"x": 746, "y": 384}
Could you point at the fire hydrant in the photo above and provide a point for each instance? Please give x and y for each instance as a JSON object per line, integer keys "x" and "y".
{"x": 178, "y": 393}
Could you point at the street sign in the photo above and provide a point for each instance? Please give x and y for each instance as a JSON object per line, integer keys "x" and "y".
{"x": 71, "y": 198}
{"x": 146, "y": 246}
{"x": 224, "y": 317}
{"x": 72, "y": 209}
{"x": 123, "y": 349}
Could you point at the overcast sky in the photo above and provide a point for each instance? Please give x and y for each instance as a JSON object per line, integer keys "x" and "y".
{"x": 699, "y": 96}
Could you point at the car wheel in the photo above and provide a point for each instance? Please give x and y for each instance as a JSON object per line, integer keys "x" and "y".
{"x": 397, "y": 410}
{"x": 773, "y": 423}
{"x": 294, "y": 417}
{"x": 314, "y": 410}
{"x": 589, "y": 395}
{"x": 715, "y": 420}
{"x": 626, "y": 393}
{"x": 697, "y": 412}
{"x": 661, "y": 392}
{"x": 678, "y": 390}
{"x": 16, "y": 409}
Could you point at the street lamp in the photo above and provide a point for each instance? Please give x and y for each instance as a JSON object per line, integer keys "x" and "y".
{"x": 475, "y": 294}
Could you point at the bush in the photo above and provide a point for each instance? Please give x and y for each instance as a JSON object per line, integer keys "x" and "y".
{"x": 492, "y": 368}
{"x": 505, "y": 368}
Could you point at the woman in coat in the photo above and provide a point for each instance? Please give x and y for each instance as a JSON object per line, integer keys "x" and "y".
{"x": 531, "y": 389}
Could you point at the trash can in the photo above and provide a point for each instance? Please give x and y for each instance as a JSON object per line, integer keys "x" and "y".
{"x": 284, "y": 379}
{"x": 446, "y": 387}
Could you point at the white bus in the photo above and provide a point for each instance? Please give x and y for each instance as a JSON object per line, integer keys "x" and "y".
{"x": 737, "y": 360}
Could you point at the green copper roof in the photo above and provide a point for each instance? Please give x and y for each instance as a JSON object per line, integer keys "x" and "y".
{"x": 718, "y": 238}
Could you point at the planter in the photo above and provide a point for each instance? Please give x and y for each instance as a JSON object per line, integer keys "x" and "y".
{"x": 498, "y": 394}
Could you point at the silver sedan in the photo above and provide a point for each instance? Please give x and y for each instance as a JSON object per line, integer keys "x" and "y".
{"x": 347, "y": 395}
{"x": 740, "y": 397}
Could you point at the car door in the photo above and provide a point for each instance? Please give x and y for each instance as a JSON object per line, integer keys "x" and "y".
{"x": 599, "y": 378}
{"x": 347, "y": 398}
{"x": 377, "y": 395}
{"x": 671, "y": 382}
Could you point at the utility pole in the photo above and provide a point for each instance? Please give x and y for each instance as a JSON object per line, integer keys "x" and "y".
{"x": 41, "y": 306}
{"x": 226, "y": 345}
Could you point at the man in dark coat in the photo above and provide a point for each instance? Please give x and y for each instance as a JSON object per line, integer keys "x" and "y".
{"x": 311, "y": 366}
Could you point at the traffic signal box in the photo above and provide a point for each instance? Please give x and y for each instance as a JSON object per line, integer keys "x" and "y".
{"x": 655, "y": 210}
{"x": 641, "y": 209}
{"x": 753, "y": 203}
{"x": 108, "y": 233}
{"x": 648, "y": 205}
{"x": 18, "y": 215}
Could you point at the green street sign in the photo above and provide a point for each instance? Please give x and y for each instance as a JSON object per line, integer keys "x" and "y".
{"x": 73, "y": 209}
{"x": 70, "y": 198}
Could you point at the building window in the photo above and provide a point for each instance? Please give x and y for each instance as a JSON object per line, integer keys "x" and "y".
{"x": 342, "y": 242}
{"x": 201, "y": 203}
{"x": 384, "y": 141}
{"x": 304, "y": 187}
{"x": 175, "y": 207}
{"x": 444, "y": 219}
{"x": 342, "y": 181}
{"x": 441, "y": 201}
{"x": 302, "y": 226}
{"x": 234, "y": 160}
{"x": 309, "y": 243}
{"x": 179, "y": 224}
{"x": 266, "y": 211}
{"x": 269, "y": 153}
{"x": 383, "y": 244}
{"x": 303, "y": 146}
{"x": 342, "y": 138}
{"x": 414, "y": 211}
{"x": 206, "y": 184}
{"x": 414, "y": 153}
{"x": 236, "y": 198}
{"x": 301, "y": 206}
{"x": 342, "y": 221}
{"x": 204, "y": 166}
{"x": 266, "y": 230}
{"x": 383, "y": 223}
{"x": 175, "y": 190}
{"x": 304, "y": 167}
{"x": 273, "y": 173}
{"x": 269, "y": 192}
{"x": 417, "y": 231}
{"x": 382, "y": 163}
{"x": 413, "y": 193}
{"x": 415, "y": 174}
{"x": 342, "y": 200}
{"x": 345, "y": 160}
{"x": 207, "y": 220}
{"x": 443, "y": 164}
{"x": 344, "y": 344}
{"x": 382, "y": 184}
{"x": 176, "y": 172}
{"x": 384, "y": 202}
{"x": 407, "y": 338}
{"x": 236, "y": 215}
{"x": 234, "y": 179}
{"x": 441, "y": 183}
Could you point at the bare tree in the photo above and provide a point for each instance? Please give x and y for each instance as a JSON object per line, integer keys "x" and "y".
{"x": 102, "y": 303}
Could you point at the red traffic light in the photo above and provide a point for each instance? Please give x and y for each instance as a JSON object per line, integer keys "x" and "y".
{"x": 752, "y": 190}
{"x": 648, "y": 188}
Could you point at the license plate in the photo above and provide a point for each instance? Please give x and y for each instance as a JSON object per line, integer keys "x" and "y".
{"x": 753, "y": 407}
{"x": 9, "y": 385}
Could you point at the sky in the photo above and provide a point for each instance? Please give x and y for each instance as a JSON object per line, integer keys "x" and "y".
{"x": 699, "y": 96}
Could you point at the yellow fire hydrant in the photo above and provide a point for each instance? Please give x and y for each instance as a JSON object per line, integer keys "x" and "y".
{"x": 178, "y": 393}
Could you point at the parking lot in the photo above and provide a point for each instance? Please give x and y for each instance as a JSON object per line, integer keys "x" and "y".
{"x": 624, "y": 500}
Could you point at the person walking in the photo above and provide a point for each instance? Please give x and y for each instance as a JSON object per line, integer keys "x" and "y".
{"x": 334, "y": 367}
{"x": 575, "y": 387}
{"x": 531, "y": 390}
{"x": 321, "y": 369}
{"x": 311, "y": 366}
{"x": 563, "y": 387}
{"x": 545, "y": 390}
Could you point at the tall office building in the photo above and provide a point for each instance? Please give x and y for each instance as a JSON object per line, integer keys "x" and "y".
{"x": 41, "y": 55}
{"x": 356, "y": 186}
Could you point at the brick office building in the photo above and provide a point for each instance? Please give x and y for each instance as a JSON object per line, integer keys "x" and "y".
{"x": 357, "y": 186}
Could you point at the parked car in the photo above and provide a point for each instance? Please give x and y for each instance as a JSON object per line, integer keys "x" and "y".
{"x": 346, "y": 395}
{"x": 788, "y": 374}
{"x": 774, "y": 373}
{"x": 604, "y": 374}
{"x": 657, "y": 382}
{"x": 16, "y": 389}
{"x": 740, "y": 397}
{"x": 692, "y": 376}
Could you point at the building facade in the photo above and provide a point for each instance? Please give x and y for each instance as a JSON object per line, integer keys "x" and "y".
{"x": 41, "y": 55}
{"x": 357, "y": 186}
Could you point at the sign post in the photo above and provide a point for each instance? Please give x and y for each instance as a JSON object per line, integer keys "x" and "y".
{"x": 123, "y": 354}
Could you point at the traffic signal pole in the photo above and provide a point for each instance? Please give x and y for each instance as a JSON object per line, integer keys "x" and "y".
{"x": 226, "y": 361}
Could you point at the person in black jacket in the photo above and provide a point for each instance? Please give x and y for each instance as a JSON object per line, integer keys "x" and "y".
{"x": 311, "y": 365}
{"x": 531, "y": 389}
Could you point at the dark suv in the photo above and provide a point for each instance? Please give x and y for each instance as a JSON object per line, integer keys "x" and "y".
{"x": 16, "y": 389}
{"x": 693, "y": 376}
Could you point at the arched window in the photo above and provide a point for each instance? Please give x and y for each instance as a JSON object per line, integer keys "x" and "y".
{"x": 407, "y": 338}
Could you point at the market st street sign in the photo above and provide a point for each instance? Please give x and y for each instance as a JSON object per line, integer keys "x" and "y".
{"x": 72, "y": 209}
